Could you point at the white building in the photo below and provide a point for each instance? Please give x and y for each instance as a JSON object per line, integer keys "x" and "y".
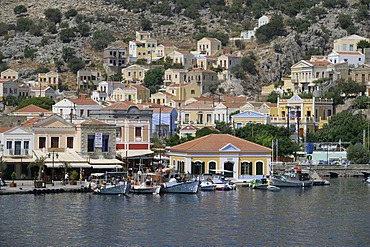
{"x": 105, "y": 90}
{"x": 75, "y": 108}
{"x": 354, "y": 58}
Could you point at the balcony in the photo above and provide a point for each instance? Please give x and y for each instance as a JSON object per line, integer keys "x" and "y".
{"x": 17, "y": 153}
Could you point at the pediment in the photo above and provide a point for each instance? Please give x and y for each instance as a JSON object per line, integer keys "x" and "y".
{"x": 17, "y": 131}
{"x": 229, "y": 148}
{"x": 54, "y": 121}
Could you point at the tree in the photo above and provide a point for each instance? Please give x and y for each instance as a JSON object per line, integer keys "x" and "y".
{"x": 204, "y": 132}
{"x": 362, "y": 45}
{"x": 20, "y": 9}
{"x": 350, "y": 87}
{"x": 263, "y": 134}
{"x": 68, "y": 53}
{"x": 273, "y": 96}
{"x": 75, "y": 64}
{"x": 24, "y": 24}
{"x": 342, "y": 126}
{"x": 154, "y": 78}
{"x": 271, "y": 30}
{"x": 53, "y": 15}
{"x": 70, "y": 13}
{"x": 38, "y": 163}
{"x": 83, "y": 29}
{"x": 42, "y": 102}
{"x": 362, "y": 102}
{"x": 67, "y": 35}
{"x": 224, "y": 127}
{"x": 101, "y": 39}
{"x": 146, "y": 25}
{"x": 358, "y": 154}
{"x": 30, "y": 53}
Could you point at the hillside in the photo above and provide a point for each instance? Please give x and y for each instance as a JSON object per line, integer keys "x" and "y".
{"x": 306, "y": 28}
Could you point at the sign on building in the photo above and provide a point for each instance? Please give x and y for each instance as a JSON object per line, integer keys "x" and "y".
{"x": 98, "y": 140}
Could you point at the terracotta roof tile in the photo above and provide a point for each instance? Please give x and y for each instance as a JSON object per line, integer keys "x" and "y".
{"x": 215, "y": 142}
{"x": 93, "y": 121}
{"x": 31, "y": 121}
{"x": 84, "y": 101}
{"x": 32, "y": 108}
{"x": 3, "y": 129}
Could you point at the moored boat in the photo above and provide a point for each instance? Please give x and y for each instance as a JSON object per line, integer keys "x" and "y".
{"x": 121, "y": 188}
{"x": 144, "y": 184}
{"x": 264, "y": 184}
{"x": 282, "y": 181}
{"x": 175, "y": 186}
{"x": 207, "y": 186}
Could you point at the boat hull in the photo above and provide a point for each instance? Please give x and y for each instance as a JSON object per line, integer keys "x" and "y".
{"x": 119, "y": 189}
{"x": 290, "y": 183}
{"x": 180, "y": 187}
{"x": 207, "y": 186}
{"x": 145, "y": 190}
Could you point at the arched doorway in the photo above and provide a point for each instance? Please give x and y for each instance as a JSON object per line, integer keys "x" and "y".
{"x": 229, "y": 167}
{"x": 197, "y": 167}
{"x": 259, "y": 168}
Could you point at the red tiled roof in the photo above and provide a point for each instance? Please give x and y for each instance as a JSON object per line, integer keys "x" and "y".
{"x": 349, "y": 52}
{"x": 184, "y": 52}
{"x": 215, "y": 142}
{"x": 212, "y": 39}
{"x": 93, "y": 121}
{"x": 31, "y": 121}
{"x": 5, "y": 80}
{"x": 3, "y": 129}
{"x": 84, "y": 101}
{"x": 32, "y": 108}
{"x": 319, "y": 63}
{"x": 138, "y": 86}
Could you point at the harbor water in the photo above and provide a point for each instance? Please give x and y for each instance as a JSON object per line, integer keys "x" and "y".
{"x": 335, "y": 215}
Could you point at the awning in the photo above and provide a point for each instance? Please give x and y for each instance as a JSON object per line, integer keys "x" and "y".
{"x": 18, "y": 160}
{"x": 104, "y": 161}
{"x": 134, "y": 153}
{"x": 73, "y": 165}
{"x": 106, "y": 166}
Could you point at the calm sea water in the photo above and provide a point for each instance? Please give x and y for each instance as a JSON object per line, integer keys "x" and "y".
{"x": 335, "y": 215}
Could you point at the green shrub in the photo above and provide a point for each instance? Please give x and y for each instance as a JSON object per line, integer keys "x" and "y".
{"x": 70, "y": 13}
{"x": 24, "y": 24}
{"x": 30, "y": 53}
{"x": 20, "y": 9}
{"x": 53, "y": 15}
{"x": 101, "y": 39}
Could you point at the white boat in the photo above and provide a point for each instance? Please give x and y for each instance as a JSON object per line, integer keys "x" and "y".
{"x": 221, "y": 183}
{"x": 317, "y": 180}
{"x": 121, "y": 188}
{"x": 367, "y": 180}
{"x": 264, "y": 184}
{"x": 207, "y": 186}
{"x": 174, "y": 186}
{"x": 144, "y": 184}
{"x": 282, "y": 181}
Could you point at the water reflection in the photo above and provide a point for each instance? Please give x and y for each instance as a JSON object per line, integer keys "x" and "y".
{"x": 335, "y": 215}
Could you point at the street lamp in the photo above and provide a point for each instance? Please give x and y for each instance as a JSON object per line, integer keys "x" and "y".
{"x": 53, "y": 155}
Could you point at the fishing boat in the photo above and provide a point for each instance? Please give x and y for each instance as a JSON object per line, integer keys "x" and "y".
{"x": 317, "y": 180}
{"x": 264, "y": 184}
{"x": 220, "y": 181}
{"x": 176, "y": 186}
{"x": 283, "y": 181}
{"x": 145, "y": 183}
{"x": 120, "y": 188}
{"x": 207, "y": 186}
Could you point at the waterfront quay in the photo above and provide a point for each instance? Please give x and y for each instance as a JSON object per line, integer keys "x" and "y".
{"x": 353, "y": 170}
{"x": 28, "y": 187}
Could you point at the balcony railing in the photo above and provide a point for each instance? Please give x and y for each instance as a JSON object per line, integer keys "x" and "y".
{"x": 17, "y": 153}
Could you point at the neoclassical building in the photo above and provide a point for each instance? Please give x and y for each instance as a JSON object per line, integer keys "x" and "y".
{"x": 222, "y": 153}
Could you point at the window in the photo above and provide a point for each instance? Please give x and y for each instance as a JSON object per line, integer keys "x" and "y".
{"x": 259, "y": 168}
{"x": 238, "y": 125}
{"x": 26, "y": 145}
{"x": 138, "y": 131}
{"x": 105, "y": 146}
{"x": 81, "y": 112}
{"x": 212, "y": 167}
{"x": 9, "y": 145}
{"x": 90, "y": 143}
{"x": 70, "y": 142}
{"x": 192, "y": 92}
{"x": 54, "y": 142}
{"x": 351, "y": 47}
{"x": 42, "y": 142}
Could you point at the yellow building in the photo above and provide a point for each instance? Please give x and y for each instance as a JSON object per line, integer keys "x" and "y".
{"x": 164, "y": 50}
{"x": 133, "y": 73}
{"x": 361, "y": 74}
{"x": 184, "y": 58}
{"x": 48, "y": 79}
{"x": 198, "y": 114}
{"x": 184, "y": 91}
{"x": 348, "y": 43}
{"x": 143, "y": 47}
{"x": 305, "y": 115}
{"x": 161, "y": 98}
{"x": 249, "y": 118}
{"x": 234, "y": 157}
{"x": 133, "y": 93}
{"x": 175, "y": 76}
{"x": 209, "y": 46}
{"x": 206, "y": 62}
